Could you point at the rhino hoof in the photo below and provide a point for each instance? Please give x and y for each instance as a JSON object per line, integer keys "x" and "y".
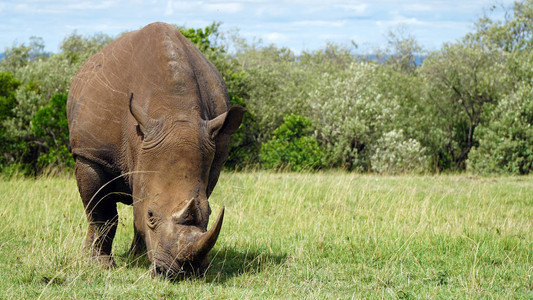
{"x": 105, "y": 260}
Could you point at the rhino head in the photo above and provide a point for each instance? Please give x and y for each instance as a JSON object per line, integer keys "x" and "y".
{"x": 171, "y": 188}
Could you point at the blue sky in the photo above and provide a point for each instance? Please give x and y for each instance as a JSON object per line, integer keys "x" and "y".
{"x": 296, "y": 24}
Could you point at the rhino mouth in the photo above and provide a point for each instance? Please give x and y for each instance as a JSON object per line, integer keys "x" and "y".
{"x": 171, "y": 267}
{"x": 190, "y": 260}
{"x": 178, "y": 271}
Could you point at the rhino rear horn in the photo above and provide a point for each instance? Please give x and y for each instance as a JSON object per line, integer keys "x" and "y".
{"x": 187, "y": 215}
{"x": 207, "y": 240}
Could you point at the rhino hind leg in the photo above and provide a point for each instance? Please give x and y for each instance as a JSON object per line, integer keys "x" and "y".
{"x": 100, "y": 208}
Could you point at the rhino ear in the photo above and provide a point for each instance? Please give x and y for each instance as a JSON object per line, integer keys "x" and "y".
{"x": 145, "y": 122}
{"x": 139, "y": 115}
{"x": 227, "y": 123}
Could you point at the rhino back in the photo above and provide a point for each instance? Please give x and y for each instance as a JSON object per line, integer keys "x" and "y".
{"x": 167, "y": 76}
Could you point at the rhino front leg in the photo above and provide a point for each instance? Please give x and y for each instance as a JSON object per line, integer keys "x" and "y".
{"x": 100, "y": 209}
{"x": 138, "y": 247}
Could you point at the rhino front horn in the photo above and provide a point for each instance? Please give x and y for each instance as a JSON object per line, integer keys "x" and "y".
{"x": 207, "y": 240}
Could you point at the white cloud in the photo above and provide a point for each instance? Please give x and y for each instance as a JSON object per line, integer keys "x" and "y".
{"x": 319, "y": 23}
{"x": 398, "y": 20}
{"x": 202, "y": 6}
{"x": 106, "y": 28}
{"x": 333, "y": 36}
{"x": 269, "y": 11}
{"x": 87, "y": 5}
{"x": 181, "y": 6}
{"x": 170, "y": 8}
{"x": 357, "y": 8}
{"x": 229, "y": 8}
{"x": 21, "y": 7}
{"x": 58, "y": 7}
{"x": 420, "y": 7}
{"x": 275, "y": 37}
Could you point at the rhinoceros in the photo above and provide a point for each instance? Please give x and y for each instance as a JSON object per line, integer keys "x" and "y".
{"x": 150, "y": 123}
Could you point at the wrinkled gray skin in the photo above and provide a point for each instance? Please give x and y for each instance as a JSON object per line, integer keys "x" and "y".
{"x": 150, "y": 123}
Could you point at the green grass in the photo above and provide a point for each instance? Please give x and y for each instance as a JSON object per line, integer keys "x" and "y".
{"x": 325, "y": 235}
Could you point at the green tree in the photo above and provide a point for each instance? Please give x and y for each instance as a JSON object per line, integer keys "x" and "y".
{"x": 205, "y": 39}
{"x": 77, "y": 48}
{"x": 19, "y": 147}
{"x": 462, "y": 80}
{"x": 8, "y": 87}
{"x": 271, "y": 75}
{"x": 50, "y": 131}
{"x": 39, "y": 76}
{"x": 292, "y": 147}
{"x": 350, "y": 113}
{"x": 279, "y": 83}
{"x": 8, "y": 102}
{"x": 19, "y": 56}
{"x": 393, "y": 153}
{"x": 402, "y": 49}
{"x": 513, "y": 33}
{"x": 506, "y": 142}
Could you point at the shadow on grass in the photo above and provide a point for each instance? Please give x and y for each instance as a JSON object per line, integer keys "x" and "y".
{"x": 135, "y": 261}
{"x": 229, "y": 262}
{"x": 225, "y": 264}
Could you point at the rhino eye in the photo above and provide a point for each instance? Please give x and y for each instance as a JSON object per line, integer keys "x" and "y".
{"x": 152, "y": 220}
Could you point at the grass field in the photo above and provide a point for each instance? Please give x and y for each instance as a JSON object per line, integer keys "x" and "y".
{"x": 325, "y": 235}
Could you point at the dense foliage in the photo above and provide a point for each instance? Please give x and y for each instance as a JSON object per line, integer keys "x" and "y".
{"x": 33, "y": 125}
{"x": 466, "y": 107}
{"x": 291, "y": 147}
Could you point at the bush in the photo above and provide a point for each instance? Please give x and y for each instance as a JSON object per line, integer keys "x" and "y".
{"x": 395, "y": 154}
{"x": 18, "y": 146}
{"x": 463, "y": 82}
{"x": 36, "y": 135}
{"x": 349, "y": 114}
{"x": 506, "y": 144}
{"x": 18, "y": 57}
{"x": 50, "y": 129}
{"x": 8, "y": 87}
{"x": 292, "y": 147}
{"x": 32, "y": 120}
